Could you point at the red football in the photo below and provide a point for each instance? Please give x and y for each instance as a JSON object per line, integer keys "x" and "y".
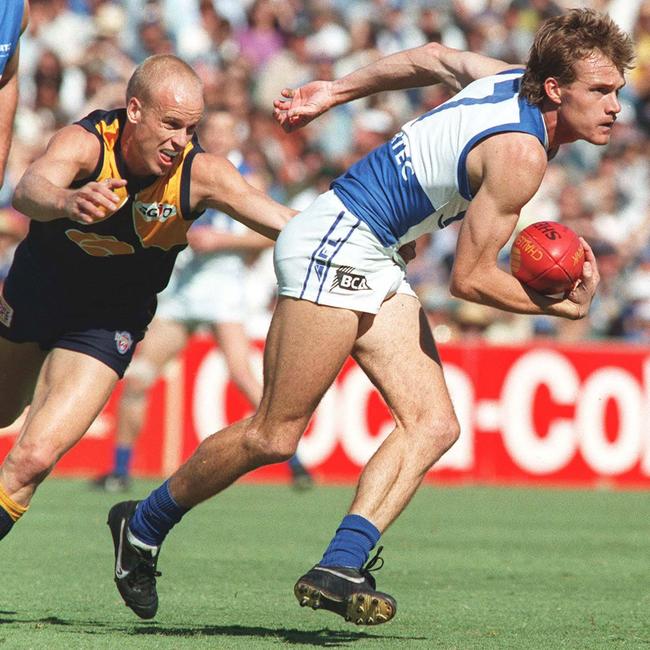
{"x": 547, "y": 257}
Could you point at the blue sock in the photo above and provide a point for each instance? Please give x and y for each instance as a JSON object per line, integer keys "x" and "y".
{"x": 294, "y": 463}
{"x": 156, "y": 516}
{"x": 351, "y": 545}
{"x": 122, "y": 460}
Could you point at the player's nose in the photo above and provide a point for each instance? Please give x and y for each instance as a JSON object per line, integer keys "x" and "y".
{"x": 180, "y": 140}
{"x": 614, "y": 105}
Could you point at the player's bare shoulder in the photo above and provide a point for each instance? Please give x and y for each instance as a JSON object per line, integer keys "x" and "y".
{"x": 513, "y": 161}
{"x": 74, "y": 143}
{"x": 510, "y": 147}
{"x": 71, "y": 154}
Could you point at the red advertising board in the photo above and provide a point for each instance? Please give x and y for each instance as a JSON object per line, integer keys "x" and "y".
{"x": 541, "y": 414}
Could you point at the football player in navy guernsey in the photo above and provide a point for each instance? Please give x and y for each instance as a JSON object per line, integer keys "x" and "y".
{"x": 478, "y": 158}
{"x": 110, "y": 203}
{"x": 14, "y": 15}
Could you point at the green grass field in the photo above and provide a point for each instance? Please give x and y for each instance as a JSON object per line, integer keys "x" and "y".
{"x": 470, "y": 568}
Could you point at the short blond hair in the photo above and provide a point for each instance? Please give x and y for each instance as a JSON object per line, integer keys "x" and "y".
{"x": 154, "y": 69}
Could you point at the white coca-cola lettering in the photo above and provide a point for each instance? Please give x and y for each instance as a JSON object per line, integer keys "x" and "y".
{"x": 623, "y": 453}
{"x": 576, "y": 422}
{"x": 356, "y": 439}
{"x": 535, "y": 454}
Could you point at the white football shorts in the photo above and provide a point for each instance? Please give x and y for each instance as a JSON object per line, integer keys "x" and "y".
{"x": 205, "y": 289}
{"x": 327, "y": 255}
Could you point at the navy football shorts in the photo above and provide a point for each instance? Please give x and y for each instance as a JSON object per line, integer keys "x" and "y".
{"x": 32, "y": 312}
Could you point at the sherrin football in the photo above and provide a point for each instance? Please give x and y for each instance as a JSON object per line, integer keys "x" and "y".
{"x": 547, "y": 257}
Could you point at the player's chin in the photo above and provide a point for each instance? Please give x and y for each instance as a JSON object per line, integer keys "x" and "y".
{"x": 601, "y": 136}
{"x": 156, "y": 169}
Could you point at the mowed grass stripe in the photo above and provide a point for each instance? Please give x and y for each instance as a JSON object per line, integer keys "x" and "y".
{"x": 470, "y": 567}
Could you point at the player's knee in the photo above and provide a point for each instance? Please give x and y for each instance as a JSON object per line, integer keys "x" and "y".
{"x": 270, "y": 450}
{"x": 443, "y": 435}
{"x": 30, "y": 463}
{"x": 435, "y": 437}
{"x": 446, "y": 433}
{"x": 266, "y": 448}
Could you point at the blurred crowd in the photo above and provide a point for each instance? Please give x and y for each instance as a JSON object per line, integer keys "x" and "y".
{"x": 77, "y": 55}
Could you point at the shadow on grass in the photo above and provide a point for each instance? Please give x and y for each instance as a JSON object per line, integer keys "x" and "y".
{"x": 323, "y": 637}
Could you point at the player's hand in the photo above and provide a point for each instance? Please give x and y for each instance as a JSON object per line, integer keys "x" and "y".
{"x": 94, "y": 201}
{"x": 583, "y": 292}
{"x": 300, "y": 106}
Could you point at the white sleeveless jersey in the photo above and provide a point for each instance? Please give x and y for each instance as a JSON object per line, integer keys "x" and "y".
{"x": 417, "y": 182}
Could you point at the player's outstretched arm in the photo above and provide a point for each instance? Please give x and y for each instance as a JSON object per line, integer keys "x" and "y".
{"x": 421, "y": 66}
{"x": 8, "y": 102}
{"x": 9, "y": 98}
{"x": 510, "y": 167}
{"x": 43, "y": 192}
{"x": 217, "y": 184}
{"x": 207, "y": 239}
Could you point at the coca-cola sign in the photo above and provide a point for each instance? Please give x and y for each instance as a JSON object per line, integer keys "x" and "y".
{"x": 539, "y": 413}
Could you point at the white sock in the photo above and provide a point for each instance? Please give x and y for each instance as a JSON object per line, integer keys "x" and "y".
{"x": 134, "y": 541}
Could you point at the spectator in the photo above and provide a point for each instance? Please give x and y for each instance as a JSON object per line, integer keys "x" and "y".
{"x": 76, "y": 55}
{"x": 262, "y": 38}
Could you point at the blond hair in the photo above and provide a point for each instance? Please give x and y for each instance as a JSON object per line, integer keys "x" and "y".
{"x": 155, "y": 69}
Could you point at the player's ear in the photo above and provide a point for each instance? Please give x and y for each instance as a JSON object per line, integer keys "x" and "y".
{"x": 134, "y": 110}
{"x": 553, "y": 90}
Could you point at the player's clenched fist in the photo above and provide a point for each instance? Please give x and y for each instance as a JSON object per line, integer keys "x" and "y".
{"x": 94, "y": 201}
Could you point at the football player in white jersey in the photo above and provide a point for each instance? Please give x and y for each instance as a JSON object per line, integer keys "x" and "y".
{"x": 479, "y": 157}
